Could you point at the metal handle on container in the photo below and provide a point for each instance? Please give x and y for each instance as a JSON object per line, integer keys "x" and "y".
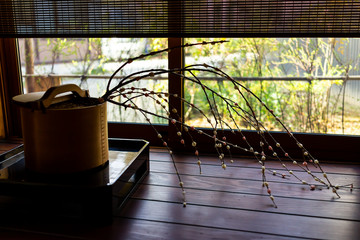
{"x": 49, "y": 96}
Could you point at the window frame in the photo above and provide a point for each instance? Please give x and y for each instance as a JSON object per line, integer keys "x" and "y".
{"x": 9, "y": 66}
{"x": 326, "y": 146}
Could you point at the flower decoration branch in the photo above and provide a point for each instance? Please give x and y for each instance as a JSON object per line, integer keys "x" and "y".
{"x": 262, "y": 153}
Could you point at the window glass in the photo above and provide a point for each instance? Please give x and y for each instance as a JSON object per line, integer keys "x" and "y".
{"x": 311, "y": 84}
{"x": 89, "y": 63}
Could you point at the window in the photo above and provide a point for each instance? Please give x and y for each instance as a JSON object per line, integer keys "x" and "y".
{"x": 89, "y": 63}
{"x": 54, "y": 56}
{"x": 310, "y": 83}
{"x": 177, "y": 19}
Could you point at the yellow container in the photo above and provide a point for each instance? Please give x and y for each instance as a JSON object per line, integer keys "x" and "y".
{"x": 60, "y": 140}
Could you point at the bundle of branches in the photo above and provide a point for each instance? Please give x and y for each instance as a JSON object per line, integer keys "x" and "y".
{"x": 268, "y": 146}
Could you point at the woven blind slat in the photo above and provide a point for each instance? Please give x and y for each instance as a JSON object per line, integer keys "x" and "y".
{"x": 172, "y": 18}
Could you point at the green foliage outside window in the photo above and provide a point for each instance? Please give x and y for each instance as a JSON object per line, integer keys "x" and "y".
{"x": 304, "y": 104}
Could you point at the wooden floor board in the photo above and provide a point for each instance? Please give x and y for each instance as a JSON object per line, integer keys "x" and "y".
{"x": 324, "y": 209}
{"x": 251, "y": 187}
{"x": 243, "y": 220}
{"x": 251, "y": 173}
{"x": 141, "y": 229}
{"x": 330, "y": 167}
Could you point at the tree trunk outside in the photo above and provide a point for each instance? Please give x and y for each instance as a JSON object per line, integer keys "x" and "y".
{"x": 29, "y": 64}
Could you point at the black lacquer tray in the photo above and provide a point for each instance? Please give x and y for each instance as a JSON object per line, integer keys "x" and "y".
{"x": 93, "y": 196}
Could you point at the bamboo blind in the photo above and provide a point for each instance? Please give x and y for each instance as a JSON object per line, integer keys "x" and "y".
{"x": 179, "y": 18}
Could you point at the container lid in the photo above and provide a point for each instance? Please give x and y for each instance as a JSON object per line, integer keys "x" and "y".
{"x": 58, "y": 94}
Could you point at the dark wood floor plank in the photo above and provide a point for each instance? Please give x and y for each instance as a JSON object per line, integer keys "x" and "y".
{"x": 251, "y": 187}
{"x": 251, "y": 173}
{"x": 345, "y": 168}
{"x": 266, "y": 223}
{"x": 324, "y": 209}
{"x": 131, "y": 229}
{"x": 17, "y": 234}
{"x": 137, "y": 229}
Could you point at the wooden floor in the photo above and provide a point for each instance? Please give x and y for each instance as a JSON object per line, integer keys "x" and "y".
{"x": 223, "y": 204}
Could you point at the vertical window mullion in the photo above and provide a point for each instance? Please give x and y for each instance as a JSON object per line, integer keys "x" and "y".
{"x": 176, "y": 86}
